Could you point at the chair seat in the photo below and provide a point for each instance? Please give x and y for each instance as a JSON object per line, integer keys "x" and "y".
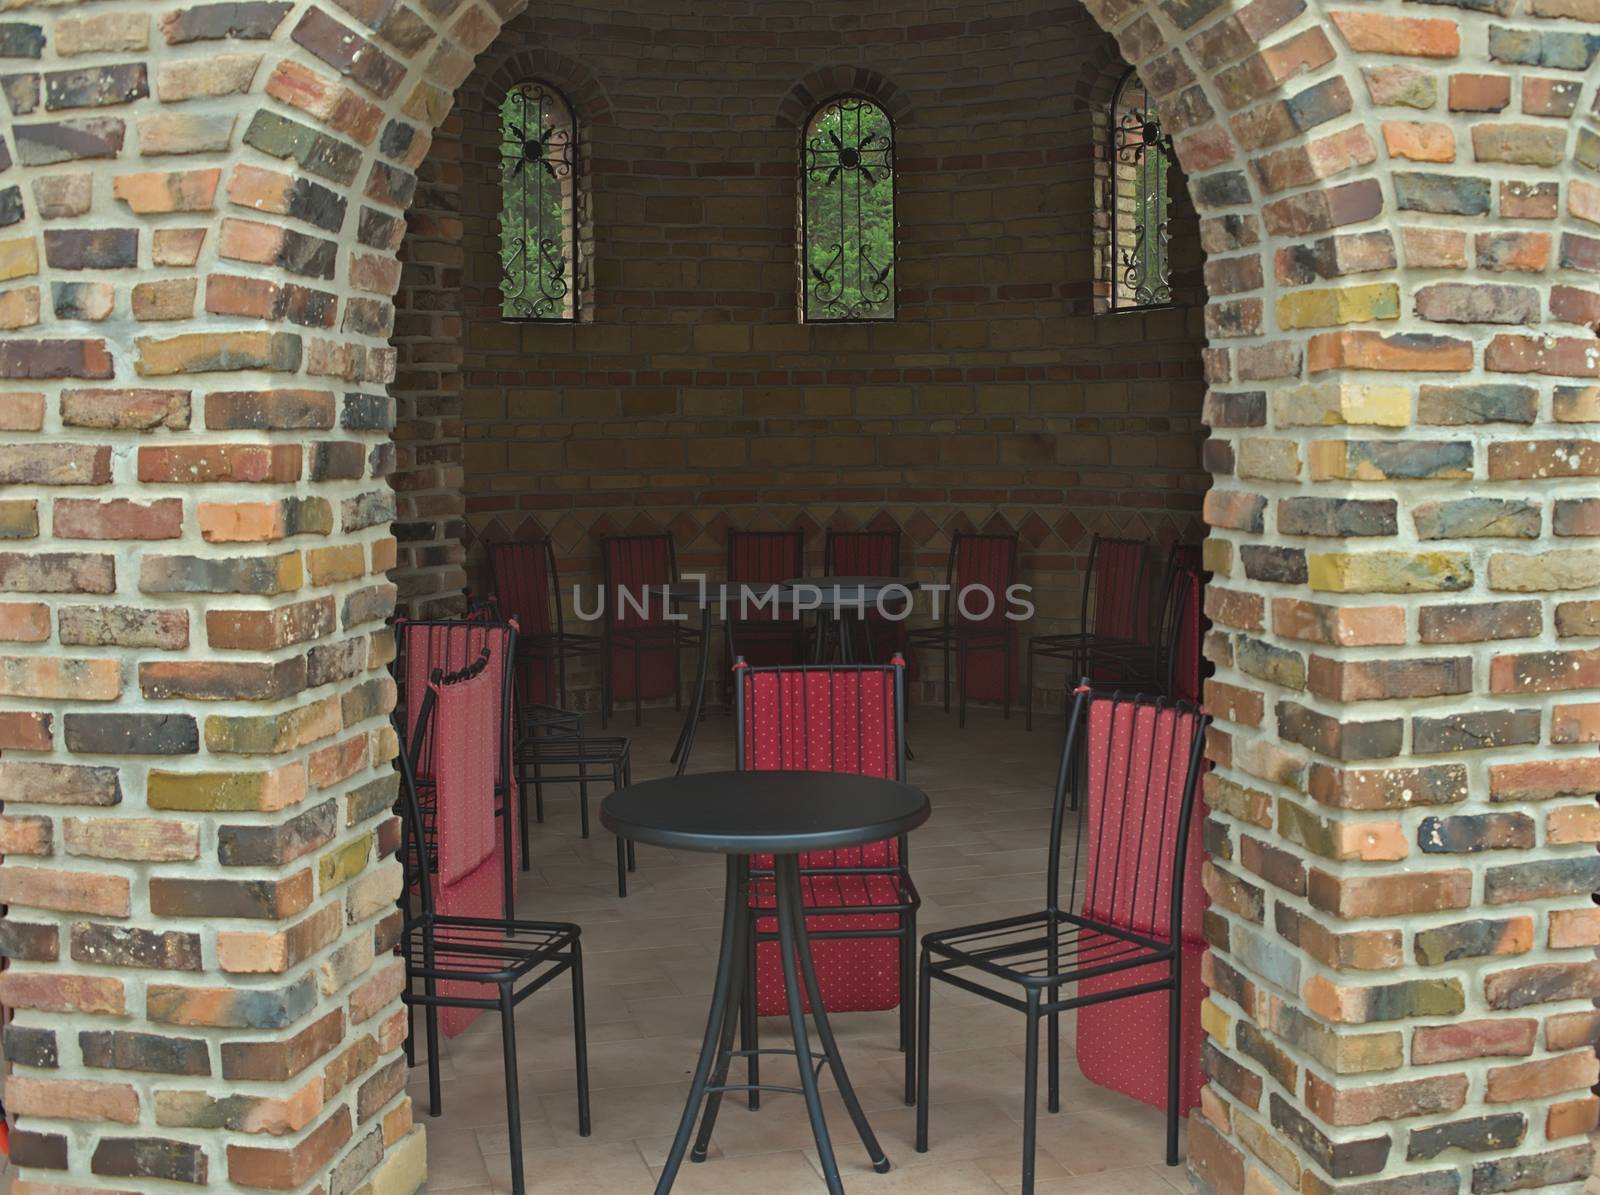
{"x": 885, "y": 890}
{"x": 537, "y": 643}
{"x": 573, "y": 750}
{"x": 551, "y": 719}
{"x": 1018, "y": 949}
{"x": 481, "y": 950}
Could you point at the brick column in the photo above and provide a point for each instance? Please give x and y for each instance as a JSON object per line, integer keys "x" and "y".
{"x": 201, "y": 207}
{"x": 1398, "y": 212}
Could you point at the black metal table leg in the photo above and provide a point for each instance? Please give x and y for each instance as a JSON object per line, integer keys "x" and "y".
{"x": 730, "y": 1019}
{"x": 789, "y": 895}
{"x": 691, "y": 719}
{"x": 721, "y": 998}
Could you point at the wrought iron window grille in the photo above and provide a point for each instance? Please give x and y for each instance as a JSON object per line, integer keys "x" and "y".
{"x": 847, "y": 192}
{"x": 538, "y": 216}
{"x": 1138, "y": 199}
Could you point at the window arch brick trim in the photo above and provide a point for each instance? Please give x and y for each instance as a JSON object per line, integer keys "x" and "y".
{"x": 579, "y": 85}
{"x": 829, "y": 82}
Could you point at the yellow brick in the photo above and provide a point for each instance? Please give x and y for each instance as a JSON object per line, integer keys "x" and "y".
{"x": 19, "y": 258}
{"x": 1389, "y": 572}
{"x": 1214, "y": 1021}
{"x": 1343, "y": 305}
{"x": 1268, "y": 459}
{"x": 1333, "y": 403}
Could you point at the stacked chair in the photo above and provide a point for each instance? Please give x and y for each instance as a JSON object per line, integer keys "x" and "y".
{"x": 761, "y": 559}
{"x": 460, "y": 958}
{"x": 869, "y": 554}
{"x": 861, "y": 903}
{"x": 640, "y": 647}
{"x": 527, "y": 588}
{"x": 1121, "y": 926}
{"x": 984, "y": 567}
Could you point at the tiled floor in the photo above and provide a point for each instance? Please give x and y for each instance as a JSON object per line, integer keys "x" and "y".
{"x": 649, "y": 966}
{"x": 649, "y": 963}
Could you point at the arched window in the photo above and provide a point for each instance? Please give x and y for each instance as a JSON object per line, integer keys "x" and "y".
{"x": 538, "y": 209}
{"x": 847, "y": 212}
{"x": 1138, "y": 195}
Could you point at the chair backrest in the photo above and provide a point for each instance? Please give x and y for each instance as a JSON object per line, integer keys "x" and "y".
{"x": 526, "y": 585}
{"x": 632, "y": 565}
{"x": 766, "y": 557}
{"x": 456, "y": 834}
{"x": 1116, "y": 597}
{"x": 862, "y": 554}
{"x": 986, "y": 563}
{"x": 1184, "y": 655}
{"x": 1134, "y": 764}
{"x": 846, "y": 718}
{"x": 449, "y": 645}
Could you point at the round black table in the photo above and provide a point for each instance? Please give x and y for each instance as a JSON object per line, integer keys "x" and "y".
{"x": 838, "y": 600}
{"x": 739, "y": 814}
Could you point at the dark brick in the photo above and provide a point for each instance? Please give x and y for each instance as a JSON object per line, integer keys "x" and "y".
{"x": 1480, "y": 1134}
{"x": 39, "y": 1151}
{"x": 29, "y": 943}
{"x": 1444, "y": 406}
{"x": 150, "y": 1157}
{"x": 316, "y": 152}
{"x": 1286, "y": 566}
{"x": 123, "y": 1050}
{"x": 69, "y": 140}
{"x": 95, "y": 86}
{"x": 336, "y": 460}
{"x": 1474, "y": 731}
{"x": 1533, "y": 1170}
{"x": 1337, "y": 517}
{"x": 1477, "y": 938}
{"x": 1339, "y": 1159}
{"x": 254, "y": 899}
{"x": 1542, "y": 880}
{"x": 215, "y": 22}
{"x": 1255, "y": 1044}
{"x": 131, "y": 734}
{"x": 1476, "y": 832}
{"x": 129, "y": 946}
{"x": 29, "y": 1046}
{"x": 1440, "y": 193}
{"x": 1339, "y": 740}
{"x": 262, "y": 846}
{"x": 92, "y": 248}
{"x": 21, "y": 40}
{"x": 1239, "y": 1081}
{"x": 11, "y": 207}
{"x": 1227, "y": 189}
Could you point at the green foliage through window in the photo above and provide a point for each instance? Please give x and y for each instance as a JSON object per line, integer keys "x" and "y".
{"x": 847, "y": 178}
{"x": 1141, "y": 161}
{"x": 538, "y": 177}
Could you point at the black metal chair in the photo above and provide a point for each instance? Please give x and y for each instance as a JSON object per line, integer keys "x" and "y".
{"x": 861, "y": 904}
{"x": 1137, "y": 761}
{"x": 464, "y": 962}
{"x": 528, "y": 588}
{"x": 986, "y": 564}
{"x": 1148, "y": 667}
{"x": 568, "y": 758}
{"x": 638, "y": 621}
{"x": 1112, "y": 614}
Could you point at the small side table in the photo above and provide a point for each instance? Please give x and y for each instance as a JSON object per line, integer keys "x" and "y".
{"x": 739, "y": 814}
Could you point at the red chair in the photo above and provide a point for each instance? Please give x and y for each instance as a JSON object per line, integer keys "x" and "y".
{"x": 639, "y": 643}
{"x": 1114, "y": 612}
{"x": 833, "y": 719}
{"x": 871, "y": 554}
{"x": 981, "y": 569}
{"x": 1187, "y": 679}
{"x": 762, "y": 559}
{"x": 465, "y": 959}
{"x": 450, "y": 645}
{"x": 527, "y": 589}
{"x": 1132, "y": 765}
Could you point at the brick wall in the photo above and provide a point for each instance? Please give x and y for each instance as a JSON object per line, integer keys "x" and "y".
{"x": 199, "y": 212}
{"x": 690, "y": 398}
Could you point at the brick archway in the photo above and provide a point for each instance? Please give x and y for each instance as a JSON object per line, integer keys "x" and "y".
{"x": 199, "y": 213}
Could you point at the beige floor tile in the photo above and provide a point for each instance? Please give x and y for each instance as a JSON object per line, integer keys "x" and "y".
{"x": 649, "y": 967}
